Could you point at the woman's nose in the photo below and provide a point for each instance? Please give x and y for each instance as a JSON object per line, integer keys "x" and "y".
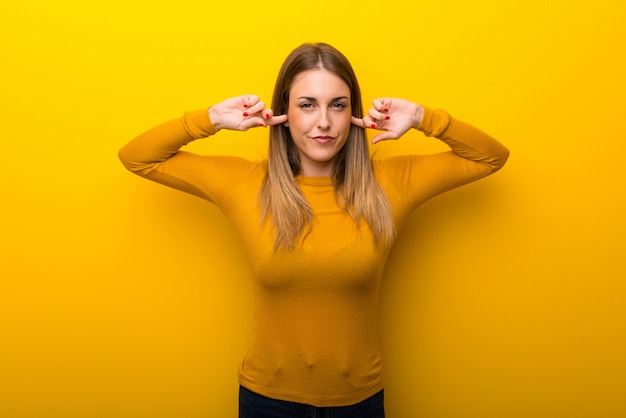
{"x": 323, "y": 121}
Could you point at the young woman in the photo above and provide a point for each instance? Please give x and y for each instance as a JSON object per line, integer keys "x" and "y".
{"x": 317, "y": 220}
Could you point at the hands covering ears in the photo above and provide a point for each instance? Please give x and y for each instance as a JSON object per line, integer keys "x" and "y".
{"x": 242, "y": 113}
{"x": 392, "y": 116}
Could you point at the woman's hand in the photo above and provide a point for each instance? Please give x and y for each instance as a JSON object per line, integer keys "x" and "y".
{"x": 393, "y": 116}
{"x": 242, "y": 113}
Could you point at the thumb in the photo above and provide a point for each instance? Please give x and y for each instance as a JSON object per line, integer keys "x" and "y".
{"x": 384, "y": 136}
{"x": 252, "y": 122}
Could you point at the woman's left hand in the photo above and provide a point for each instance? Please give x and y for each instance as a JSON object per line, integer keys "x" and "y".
{"x": 393, "y": 116}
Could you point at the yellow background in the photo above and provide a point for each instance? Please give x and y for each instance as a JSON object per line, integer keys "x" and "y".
{"x": 121, "y": 298}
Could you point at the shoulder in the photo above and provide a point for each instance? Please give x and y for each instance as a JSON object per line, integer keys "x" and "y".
{"x": 231, "y": 171}
{"x": 237, "y": 166}
{"x": 396, "y": 168}
{"x": 224, "y": 175}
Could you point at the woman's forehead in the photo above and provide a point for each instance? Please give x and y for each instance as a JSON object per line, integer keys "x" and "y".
{"x": 319, "y": 83}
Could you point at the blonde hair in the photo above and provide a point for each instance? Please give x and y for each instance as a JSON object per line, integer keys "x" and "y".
{"x": 357, "y": 189}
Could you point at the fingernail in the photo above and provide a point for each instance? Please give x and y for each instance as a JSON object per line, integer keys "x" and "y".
{"x": 245, "y": 105}
{"x": 373, "y": 126}
{"x": 386, "y": 110}
{"x": 245, "y": 114}
{"x": 267, "y": 116}
{"x": 387, "y": 117}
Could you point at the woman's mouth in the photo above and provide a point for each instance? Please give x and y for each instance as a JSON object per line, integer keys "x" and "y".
{"x": 323, "y": 139}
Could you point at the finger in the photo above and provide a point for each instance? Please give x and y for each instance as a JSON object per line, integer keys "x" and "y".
{"x": 252, "y": 122}
{"x": 376, "y": 115}
{"x": 249, "y": 100}
{"x": 384, "y": 136}
{"x": 268, "y": 113}
{"x": 366, "y": 122}
{"x": 383, "y": 105}
{"x": 277, "y": 120}
{"x": 258, "y": 107}
{"x": 357, "y": 122}
{"x": 369, "y": 122}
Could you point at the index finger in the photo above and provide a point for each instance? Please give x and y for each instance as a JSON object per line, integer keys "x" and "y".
{"x": 277, "y": 120}
{"x": 382, "y": 105}
{"x": 366, "y": 122}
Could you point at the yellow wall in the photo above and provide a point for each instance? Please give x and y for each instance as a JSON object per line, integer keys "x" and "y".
{"x": 121, "y": 298}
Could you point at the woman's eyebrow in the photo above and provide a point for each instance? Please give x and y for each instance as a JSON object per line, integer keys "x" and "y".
{"x": 313, "y": 99}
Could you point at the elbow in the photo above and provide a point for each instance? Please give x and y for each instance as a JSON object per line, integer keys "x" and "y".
{"x": 504, "y": 157}
{"x": 497, "y": 160}
{"x": 129, "y": 161}
{"x": 125, "y": 158}
{"x": 501, "y": 158}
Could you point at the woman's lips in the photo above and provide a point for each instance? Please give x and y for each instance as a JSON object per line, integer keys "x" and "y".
{"x": 323, "y": 139}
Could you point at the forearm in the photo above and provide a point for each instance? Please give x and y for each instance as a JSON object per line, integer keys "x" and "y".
{"x": 463, "y": 139}
{"x": 147, "y": 151}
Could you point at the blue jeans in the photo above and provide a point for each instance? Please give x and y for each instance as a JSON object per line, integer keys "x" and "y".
{"x": 252, "y": 405}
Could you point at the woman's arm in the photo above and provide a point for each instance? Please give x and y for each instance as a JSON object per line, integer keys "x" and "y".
{"x": 473, "y": 154}
{"x": 156, "y": 155}
{"x": 477, "y": 148}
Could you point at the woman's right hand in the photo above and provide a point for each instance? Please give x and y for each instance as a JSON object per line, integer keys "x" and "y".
{"x": 242, "y": 113}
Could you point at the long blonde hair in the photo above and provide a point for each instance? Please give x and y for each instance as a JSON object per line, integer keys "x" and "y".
{"x": 357, "y": 189}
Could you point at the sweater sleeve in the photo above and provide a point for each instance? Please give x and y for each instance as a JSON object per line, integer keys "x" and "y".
{"x": 473, "y": 154}
{"x": 156, "y": 155}
{"x": 465, "y": 141}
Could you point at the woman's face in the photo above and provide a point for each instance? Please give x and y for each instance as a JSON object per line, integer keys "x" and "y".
{"x": 319, "y": 119}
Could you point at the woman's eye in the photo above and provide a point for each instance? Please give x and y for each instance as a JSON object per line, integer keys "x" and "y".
{"x": 339, "y": 105}
{"x": 306, "y": 105}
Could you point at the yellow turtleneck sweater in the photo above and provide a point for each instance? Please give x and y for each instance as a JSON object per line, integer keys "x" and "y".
{"x": 315, "y": 337}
